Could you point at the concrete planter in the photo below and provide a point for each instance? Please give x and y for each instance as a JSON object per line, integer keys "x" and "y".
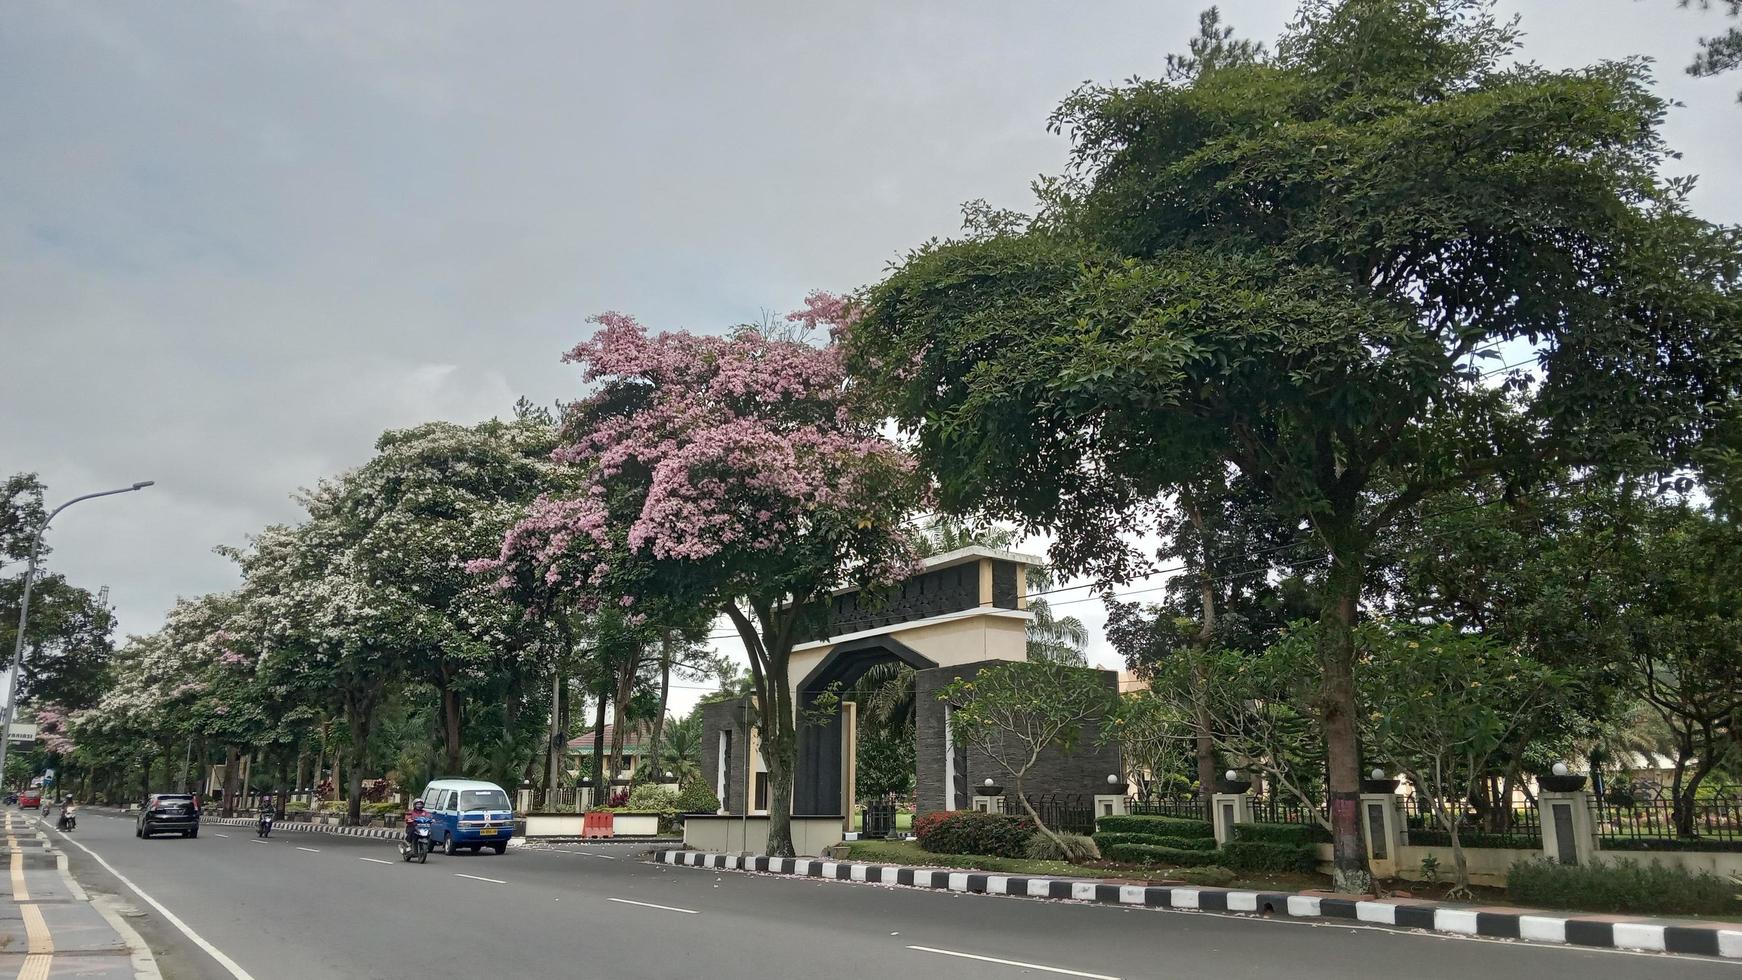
{"x": 635, "y": 824}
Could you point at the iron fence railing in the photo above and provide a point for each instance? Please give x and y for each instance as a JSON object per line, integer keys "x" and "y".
{"x": 1186, "y": 807}
{"x": 1067, "y": 812}
{"x": 1640, "y": 824}
{"x": 1270, "y": 809}
{"x": 1520, "y": 828}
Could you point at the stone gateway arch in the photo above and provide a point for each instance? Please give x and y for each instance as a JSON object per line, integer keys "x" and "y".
{"x": 964, "y": 611}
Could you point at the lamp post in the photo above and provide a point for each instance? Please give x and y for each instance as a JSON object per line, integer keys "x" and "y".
{"x": 24, "y": 612}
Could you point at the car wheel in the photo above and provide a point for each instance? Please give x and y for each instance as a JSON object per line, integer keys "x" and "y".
{"x": 449, "y": 847}
{"x": 138, "y": 831}
{"x": 194, "y": 832}
{"x": 501, "y": 848}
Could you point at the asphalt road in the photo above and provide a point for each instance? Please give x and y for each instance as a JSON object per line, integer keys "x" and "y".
{"x": 315, "y": 906}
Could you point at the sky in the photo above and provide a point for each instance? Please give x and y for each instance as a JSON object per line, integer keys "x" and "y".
{"x": 239, "y": 240}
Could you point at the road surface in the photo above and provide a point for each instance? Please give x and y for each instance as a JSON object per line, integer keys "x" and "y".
{"x": 306, "y": 905}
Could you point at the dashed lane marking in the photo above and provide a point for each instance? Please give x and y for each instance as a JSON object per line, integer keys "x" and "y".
{"x": 1016, "y": 963}
{"x": 650, "y": 905}
{"x": 492, "y": 881}
{"x": 375, "y": 860}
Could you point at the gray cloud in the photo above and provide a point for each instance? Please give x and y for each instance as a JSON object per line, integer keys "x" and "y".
{"x": 239, "y": 240}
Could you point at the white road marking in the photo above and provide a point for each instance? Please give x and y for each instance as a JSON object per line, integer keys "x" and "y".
{"x": 311, "y": 850}
{"x": 650, "y": 905}
{"x": 375, "y": 860}
{"x": 220, "y": 835}
{"x": 492, "y": 881}
{"x": 234, "y": 968}
{"x": 1019, "y": 963}
{"x": 255, "y": 841}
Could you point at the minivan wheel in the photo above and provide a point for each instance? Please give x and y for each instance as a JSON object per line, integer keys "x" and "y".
{"x": 449, "y": 847}
{"x": 501, "y": 848}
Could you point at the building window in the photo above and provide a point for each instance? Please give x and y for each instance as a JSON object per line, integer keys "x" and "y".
{"x": 761, "y": 791}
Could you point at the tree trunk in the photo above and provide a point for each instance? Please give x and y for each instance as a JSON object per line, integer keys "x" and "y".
{"x": 359, "y": 715}
{"x": 601, "y": 785}
{"x": 664, "y": 699}
{"x": 620, "y": 714}
{"x": 278, "y": 798}
{"x": 1206, "y": 746}
{"x": 232, "y": 779}
{"x": 556, "y": 739}
{"x": 450, "y": 722}
{"x": 145, "y": 781}
{"x": 302, "y": 769}
{"x": 1337, "y": 713}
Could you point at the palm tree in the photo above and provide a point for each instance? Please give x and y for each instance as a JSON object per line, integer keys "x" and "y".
{"x": 681, "y": 751}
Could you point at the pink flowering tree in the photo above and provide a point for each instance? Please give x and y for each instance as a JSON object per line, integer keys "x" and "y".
{"x": 728, "y": 473}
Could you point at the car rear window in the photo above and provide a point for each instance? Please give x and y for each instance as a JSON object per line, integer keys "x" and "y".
{"x": 483, "y": 799}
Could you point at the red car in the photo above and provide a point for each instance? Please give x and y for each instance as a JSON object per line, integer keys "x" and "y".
{"x": 30, "y": 799}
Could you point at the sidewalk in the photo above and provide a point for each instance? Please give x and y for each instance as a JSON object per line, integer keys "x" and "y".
{"x": 1576, "y": 929}
{"x": 49, "y": 927}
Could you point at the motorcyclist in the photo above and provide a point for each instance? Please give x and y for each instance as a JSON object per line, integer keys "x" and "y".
{"x": 267, "y": 810}
{"x": 412, "y": 816}
{"x": 66, "y": 812}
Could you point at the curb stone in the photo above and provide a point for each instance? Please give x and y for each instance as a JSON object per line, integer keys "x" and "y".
{"x": 379, "y": 833}
{"x": 1599, "y": 932}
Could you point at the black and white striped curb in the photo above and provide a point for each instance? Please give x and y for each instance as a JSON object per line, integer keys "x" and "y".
{"x": 380, "y": 833}
{"x": 1602, "y": 933}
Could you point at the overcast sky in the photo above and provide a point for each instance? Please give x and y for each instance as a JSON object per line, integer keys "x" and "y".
{"x": 239, "y": 240}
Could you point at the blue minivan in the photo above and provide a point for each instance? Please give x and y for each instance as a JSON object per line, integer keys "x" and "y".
{"x": 468, "y": 813}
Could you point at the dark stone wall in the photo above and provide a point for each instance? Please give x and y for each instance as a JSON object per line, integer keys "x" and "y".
{"x": 928, "y": 594}
{"x": 1004, "y": 584}
{"x": 726, "y": 716}
{"x": 1082, "y": 772}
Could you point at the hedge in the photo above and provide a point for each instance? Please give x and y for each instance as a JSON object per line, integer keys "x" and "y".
{"x": 1667, "y": 844}
{"x": 1152, "y": 854}
{"x": 1253, "y": 855}
{"x": 1106, "y": 840}
{"x": 1623, "y": 885}
{"x": 1282, "y": 833}
{"x": 974, "y": 832}
{"x": 1156, "y": 826}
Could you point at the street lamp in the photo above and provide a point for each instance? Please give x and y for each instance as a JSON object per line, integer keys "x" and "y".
{"x": 24, "y": 611}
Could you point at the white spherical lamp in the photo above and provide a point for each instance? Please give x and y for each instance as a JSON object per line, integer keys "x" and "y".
{"x": 988, "y": 781}
{"x": 1560, "y": 769}
{"x": 1231, "y": 776}
{"x": 1377, "y": 773}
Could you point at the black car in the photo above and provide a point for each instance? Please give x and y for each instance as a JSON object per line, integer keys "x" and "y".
{"x": 169, "y": 813}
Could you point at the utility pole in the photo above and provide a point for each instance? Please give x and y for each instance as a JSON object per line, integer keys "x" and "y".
{"x": 24, "y": 613}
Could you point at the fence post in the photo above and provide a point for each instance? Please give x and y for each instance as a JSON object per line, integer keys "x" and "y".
{"x": 1226, "y": 810}
{"x": 1382, "y": 828}
{"x": 1569, "y": 834}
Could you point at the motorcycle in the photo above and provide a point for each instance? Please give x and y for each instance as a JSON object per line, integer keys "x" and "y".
{"x": 265, "y": 827}
{"x": 416, "y": 848}
{"x": 68, "y": 821}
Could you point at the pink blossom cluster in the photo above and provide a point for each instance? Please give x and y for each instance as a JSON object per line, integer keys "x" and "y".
{"x": 53, "y": 730}
{"x": 747, "y": 441}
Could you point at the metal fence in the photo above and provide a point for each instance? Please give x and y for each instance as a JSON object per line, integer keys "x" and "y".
{"x": 1521, "y": 828}
{"x": 1717, "y": 820}
{"x": 1068, "y": 812}
{"x": 1188, "y": 807}
{"x": 1270, "y": 809}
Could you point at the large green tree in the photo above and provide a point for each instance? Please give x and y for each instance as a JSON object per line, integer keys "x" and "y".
{"x": 1299, "y": 264}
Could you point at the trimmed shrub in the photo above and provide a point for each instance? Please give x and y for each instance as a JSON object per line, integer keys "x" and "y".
{"x": 1622, "y": 885}
{"x": 973, "y": 832}
{"x": 696, "y": 797}
{"x": 648, "y": 798}
{"x": 1156, "y": 826}
{"x": 1257, "y": 855}
{"x": 1213, "y": 875}
{"x": 1106, "y": 840}
{"x": 1151, "y": 854}
{"x": 1282, "y": 833}
{"x": 1662, "y": 844}
{"x": 1076, "y": 849}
